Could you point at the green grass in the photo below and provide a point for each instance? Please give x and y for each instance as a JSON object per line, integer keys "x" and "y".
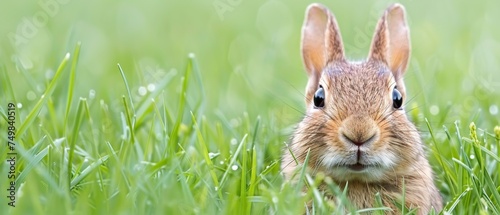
{"x": 131, "y": 123}
{"x": 149, "y": 155}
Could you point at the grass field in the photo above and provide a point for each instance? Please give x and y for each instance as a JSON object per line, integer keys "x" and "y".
{"x": 184, "y": 107}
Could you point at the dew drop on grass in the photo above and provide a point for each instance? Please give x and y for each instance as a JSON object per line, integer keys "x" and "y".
{"x": 40, "y": 88}
{"x": 31, "y": 95}
{"x": 91, "y": 94}
{"x": 234, "y": 141}
{"x": 234, "y": 167}
{"x": 142, "y": 91}
{"x": 472, "y": 157}
{"x": 19, "y": 105}
{"x": 216, "y": 188}
{"x": 151, "y": 87}
{"x": 49, "y": 74}
{"x": 275, "y": 200}
{"x": 211, "y": 155}
{"x": 493, "y": 110}
{"x": 221, "y": 162}
{"x": 434, "y": 110}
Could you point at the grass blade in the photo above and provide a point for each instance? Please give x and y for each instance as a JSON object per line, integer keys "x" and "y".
{"x": 8, "y": 86}
{"x": 76, "y": 180}
{"x": 44, "y": 98}
{"x": 172, "y": 143}
{"x": 71, "y": 85}
{"x": 128, "y": 91}
{"x": 33, "y": 161}
{"x": 233, "y": 160}
{"x": 204, "y": 152}
{"x": 72, "y": 140}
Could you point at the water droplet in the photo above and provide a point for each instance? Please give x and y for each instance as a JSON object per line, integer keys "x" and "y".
{"x": 151, "y": 87}
{"x": 221, "y": 162}
{"x": 234, "y": 141}
{"x": 49, "y": 74}
{"x": 434, "y": 110}
{"x": 216, "y": 188}
{"x": 19, "y": 105}
{"x": 212, "y": 155}
{"x": 275, "y": 200}
{"x": 494, "y": 110}
{"x": 142, "y": 91}
{"x": 31, "y": 95}
{"x": 92, "y": 94}
{"x": 472, "y": 157}
{"x": 234, "y": 122}
{"x": 40, "y": 88}
{"x": 234, "y": 167}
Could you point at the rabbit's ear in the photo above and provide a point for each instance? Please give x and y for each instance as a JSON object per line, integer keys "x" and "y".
{"x": 391, "y": 42}
{"x": 321, "y": 43}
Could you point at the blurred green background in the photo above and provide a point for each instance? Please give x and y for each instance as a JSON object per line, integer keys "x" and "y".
{"x": 248, "y": 51}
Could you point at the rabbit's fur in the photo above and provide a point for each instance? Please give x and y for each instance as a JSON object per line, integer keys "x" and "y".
{"x": 359, "y": 137}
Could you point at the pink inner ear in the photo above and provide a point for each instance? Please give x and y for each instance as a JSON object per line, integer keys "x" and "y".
{"x": 313, "y": 46}
{"x": 399, "y": 46}
{"x": 378, "y": 49}
{"x": 313, "y": 34}
{"x": 333, "y": 41}
{"x": 391, "y": 42}
{"x": 321, "y": 40}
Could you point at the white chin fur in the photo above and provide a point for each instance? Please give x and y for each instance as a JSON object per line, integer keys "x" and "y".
{"x": 378, "y": 166}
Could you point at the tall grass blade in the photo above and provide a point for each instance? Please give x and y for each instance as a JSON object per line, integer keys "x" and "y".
{"x": 44, "y": 98}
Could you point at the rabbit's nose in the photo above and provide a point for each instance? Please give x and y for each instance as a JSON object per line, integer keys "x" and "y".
{"x": 358, "y": 130}
{"x": 357, "y": 140}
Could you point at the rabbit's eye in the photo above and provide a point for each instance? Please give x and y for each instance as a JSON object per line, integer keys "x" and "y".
{"x": 397, "y": 98}
{"x": 319, "y": 97}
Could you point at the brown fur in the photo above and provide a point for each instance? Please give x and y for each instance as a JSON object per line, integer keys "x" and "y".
{"x": 359, "y": 109}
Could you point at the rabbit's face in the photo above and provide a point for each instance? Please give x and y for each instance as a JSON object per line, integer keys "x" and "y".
{"x": 355, "y": 127}
{"x": 357, "y": 117}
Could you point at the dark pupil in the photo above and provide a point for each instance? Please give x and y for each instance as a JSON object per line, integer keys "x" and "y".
{"x": 319, "y": 97}
{"x": 397, "y": 99}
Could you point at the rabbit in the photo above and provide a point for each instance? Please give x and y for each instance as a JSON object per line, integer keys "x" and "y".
{"x": 355, "y": 128}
